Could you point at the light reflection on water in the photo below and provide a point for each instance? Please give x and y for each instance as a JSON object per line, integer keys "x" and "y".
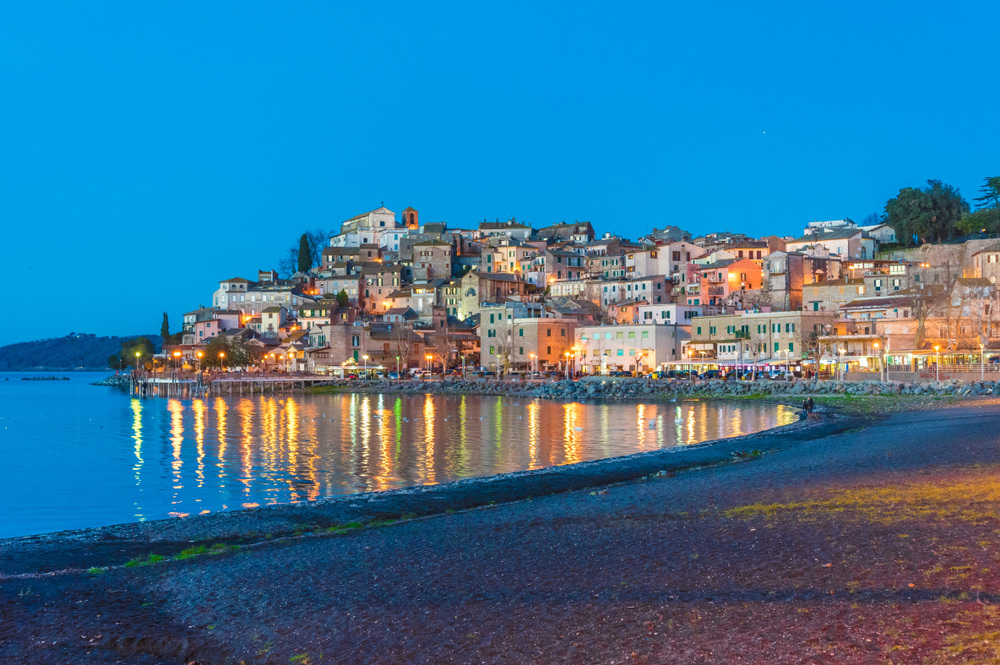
{"x": 164, "y": 457}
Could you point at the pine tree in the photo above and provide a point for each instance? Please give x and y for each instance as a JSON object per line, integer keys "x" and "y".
{"x": 165, "y": 329}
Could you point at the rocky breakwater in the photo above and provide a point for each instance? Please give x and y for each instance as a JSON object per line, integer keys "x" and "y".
{"x": 637, "y": 389}
{"x": 595, "y": 388}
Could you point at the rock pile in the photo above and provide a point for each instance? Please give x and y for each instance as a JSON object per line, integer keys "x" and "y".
{"x": 629, "y": 389}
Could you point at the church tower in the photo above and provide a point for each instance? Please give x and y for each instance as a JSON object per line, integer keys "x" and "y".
{"x": 411, "y": 219}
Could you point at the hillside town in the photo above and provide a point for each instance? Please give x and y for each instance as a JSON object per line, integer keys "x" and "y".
{"x": 394, "y": 296}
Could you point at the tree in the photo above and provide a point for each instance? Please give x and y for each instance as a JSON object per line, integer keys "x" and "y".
{"x": 311, "y": 243}
{"x": 318, "y": 240}
{"x": 305, "y": 254}
{"x": 986, "y": 218}
{"x": 128, "y": 351}
{"x": 288, "y": 264}
{"x": 990, "y": 194}
{"x": 238, "y": 353}
{"x": 165, "y": 328}
{"x": 873, "y": 219}
{"x": 931, "y": 214}
{"x": 343, "y": 299}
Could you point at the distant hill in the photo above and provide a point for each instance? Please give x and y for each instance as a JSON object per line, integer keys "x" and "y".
{"x": 75, "y": 351}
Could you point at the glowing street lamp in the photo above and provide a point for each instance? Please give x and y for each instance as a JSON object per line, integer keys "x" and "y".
{"x": 177, "y": 358}
{"x": 137, "y": 354}
{"x": 365, "y": 358}
{"x": 222, "y": 360}
{"x": 428, "y": 359}
{"x": 199, "y": 360}
{"x": 937, "y": 365}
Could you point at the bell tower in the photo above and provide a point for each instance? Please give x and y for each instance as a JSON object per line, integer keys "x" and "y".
{"x": 411, "y": 219}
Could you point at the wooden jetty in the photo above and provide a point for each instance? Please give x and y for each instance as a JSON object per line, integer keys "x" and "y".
{"x": 192, "y": 385}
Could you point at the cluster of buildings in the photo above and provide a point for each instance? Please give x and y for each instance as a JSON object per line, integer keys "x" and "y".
{"x": 394, "y": 293}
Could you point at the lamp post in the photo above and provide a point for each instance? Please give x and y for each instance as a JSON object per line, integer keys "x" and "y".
{"x": 982, "y": 362}
{"x": 840, "y": 365}
{"x": 199, "y": 361}
{"x": 397, "y": 368}
{"x": 937, "y": 363}
{"x": 878, "y": 354}
{"x": 534, "y": 365}
{"x": 365, "y": 373}
{"x": 222, "y": 361}
{"x": 137, "y": 355}
{"x": 428, "y": 359}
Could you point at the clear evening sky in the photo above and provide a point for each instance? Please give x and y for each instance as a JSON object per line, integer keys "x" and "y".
{"x": 150, "y": 149}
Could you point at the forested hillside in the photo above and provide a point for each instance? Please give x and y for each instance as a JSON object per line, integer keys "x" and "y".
{"x": 74, "y": 351}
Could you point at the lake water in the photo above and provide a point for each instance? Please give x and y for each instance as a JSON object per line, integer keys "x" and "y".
{"x": 73, "y": 455}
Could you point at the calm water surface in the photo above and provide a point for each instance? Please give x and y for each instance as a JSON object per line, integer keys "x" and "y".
{"x": 74, "y": 455}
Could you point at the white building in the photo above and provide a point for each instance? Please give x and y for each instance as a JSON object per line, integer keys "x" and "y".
{"x": 669, "y": 313}
{"x": 642, "y": 348}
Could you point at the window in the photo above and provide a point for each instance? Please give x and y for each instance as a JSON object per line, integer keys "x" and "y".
{"x": 520, "y": 332}
{"x": 521, "y": 350}
{"x": 548, "y": 350}
{"x": 775, "y": 347}
{"x": 548, "y": 332}
{"x": 621, "y": 352}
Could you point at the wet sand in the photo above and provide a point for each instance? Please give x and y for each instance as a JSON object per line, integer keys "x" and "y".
{"x": 853, "y": 540}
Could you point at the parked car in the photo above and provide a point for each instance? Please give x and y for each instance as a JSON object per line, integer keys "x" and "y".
{"x": 777, "y": 375}
{"x": 711, "y": 374}
{"x": 393, "y": 375}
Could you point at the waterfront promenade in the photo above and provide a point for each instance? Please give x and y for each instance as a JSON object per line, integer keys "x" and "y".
{"x": 855, "y": 540}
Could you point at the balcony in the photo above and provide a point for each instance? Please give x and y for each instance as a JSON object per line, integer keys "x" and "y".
{"x": 716, "y": 291}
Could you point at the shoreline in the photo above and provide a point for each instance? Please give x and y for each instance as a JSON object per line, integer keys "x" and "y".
{"x": 282, "y": 520}
{"x": 610, "y": 547}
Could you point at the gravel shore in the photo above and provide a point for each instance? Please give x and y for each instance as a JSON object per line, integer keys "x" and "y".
{"x": 865, "y": 538}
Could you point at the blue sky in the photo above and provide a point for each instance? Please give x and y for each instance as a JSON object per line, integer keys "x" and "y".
{"x": 152, "y": 149}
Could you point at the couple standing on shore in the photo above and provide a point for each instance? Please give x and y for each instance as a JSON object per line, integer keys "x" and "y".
{"x": 808, "y": 405}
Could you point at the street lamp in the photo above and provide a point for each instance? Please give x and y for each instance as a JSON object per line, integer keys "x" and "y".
{"x": 534, "y": 365}
{"x": 222, "y": 360}
{"x": 137, "y": 354}
{"x": 840, "y": 365}
{"x": 982, "y": 362}
{"x": 937, "y": 364}
{"x": 397, "y": 368}
{"x": 199, "y": 360}
{"x": 878, "y": 354}
{"x": 428, "y": 359}
{"x": 365, "y": 358}
{"x": 177, "y": 359}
